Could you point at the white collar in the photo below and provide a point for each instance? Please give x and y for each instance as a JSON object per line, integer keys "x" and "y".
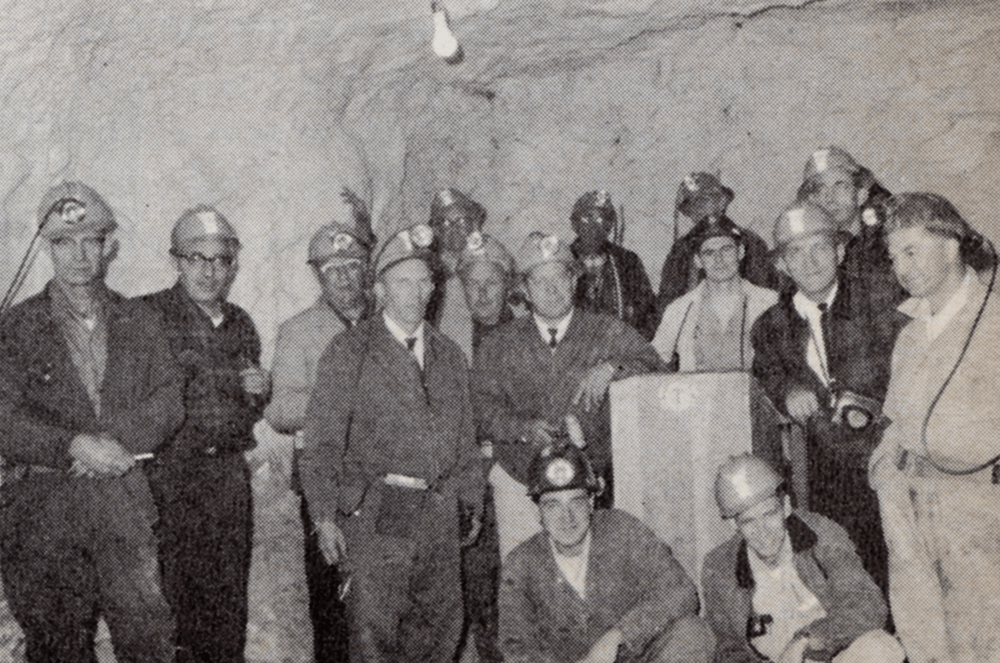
{"x": 920, "y": 308}
{"x": 809, "y": 309}
{"x": 560, "y": 327}
{"x": 574, "y": 569}
{"x": 400, "y": 335}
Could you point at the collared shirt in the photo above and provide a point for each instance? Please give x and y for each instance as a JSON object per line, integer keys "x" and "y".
{"x": 574, "y": 569}
{"x": 816, "y": 355}
{"x": 400, "y": 335}
{"x": 560, "y": 327}
{"x": 87, "y": 340}
{"x": 935, "y": 323}
{"x": 780, "y": 593}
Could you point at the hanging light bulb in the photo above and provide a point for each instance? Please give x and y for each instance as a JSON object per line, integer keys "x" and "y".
{"x": 444, "y": 43}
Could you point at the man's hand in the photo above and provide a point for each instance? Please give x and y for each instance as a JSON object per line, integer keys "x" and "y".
{"x": 256, "y": 380}
{"x": 475, "y": 526}
{"x": 331, "y": 541}
{"x": 801, "y": 404}
{"x": 794, "y": 651}
{"x": 605, "y": 650}
{"x": 539, "y": 432}
{"x": 99, "y": 455}
{"x": 594, "y": 386}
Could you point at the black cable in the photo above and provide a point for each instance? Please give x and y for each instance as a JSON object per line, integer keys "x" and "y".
{"x": 954, "y": 369}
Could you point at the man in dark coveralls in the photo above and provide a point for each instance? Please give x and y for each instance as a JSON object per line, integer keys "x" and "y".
{"x": 201, "y": 481}
{"x": 614, "y": 280}
{"x": 390, "y": 466}
{"x": 86, "y": 382}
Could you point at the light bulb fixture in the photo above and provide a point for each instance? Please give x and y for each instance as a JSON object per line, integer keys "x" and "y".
{"x": 444, "y": 43}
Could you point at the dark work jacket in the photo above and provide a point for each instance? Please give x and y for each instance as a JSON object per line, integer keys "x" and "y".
{"x": 219, "y": 412}
{"x": 623, "y": 281}
{"x": 44, "y": 404}
{"x": 680, "y": 274}
{"x": 827, "y": 564}
{"x": 868, "y": 267}
{"x": 859, "y": 351}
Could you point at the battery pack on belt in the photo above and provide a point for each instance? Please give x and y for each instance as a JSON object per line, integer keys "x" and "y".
{"x": 402, "y": 481}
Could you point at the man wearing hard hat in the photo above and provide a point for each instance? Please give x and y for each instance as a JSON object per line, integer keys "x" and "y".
{"x": 338, "y": 254}
{"x": 614, "y": 280}
{"x": 87, "y": 382}
{"x": 825, "y": 363}
{"x": 594, "y": 586}
{"x": 851, "y": 195}
{"x": 454, "y": 218}
{"x": 534, "y": 371}
{"x": 390, "y": 465}
{"x": 201, "y": 480}
{"x": 788, "y": 587}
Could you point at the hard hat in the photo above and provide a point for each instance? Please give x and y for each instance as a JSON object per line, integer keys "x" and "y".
{"x": 71, "y": 207}
{"x": 591, "y": 201}
{"x": 539, "y": 249}
{"x": 199, "y": 223}
{"x": 829, "y": 158}
{"x": 479, "y": 248}
{"x": 743, "y": 481}
{"x": 561, "y": 466}
{"x": 446, "y": 200}
{"x": 714, "y": 226}
{"x": 702, "y": 194}
{"x": 412, "y": 243}
{"x": 803, "y": 220}
{"x": 348, "y": 235}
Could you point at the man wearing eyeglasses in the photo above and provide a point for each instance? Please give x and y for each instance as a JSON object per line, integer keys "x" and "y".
{"x": 708, "y": 328}
{"x": 86, "y": 383}
{"x": 339, "y": 256}
{"x": 201, "y": 481}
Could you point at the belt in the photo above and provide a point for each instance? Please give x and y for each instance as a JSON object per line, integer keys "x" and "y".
{"x": 915, "y": 465}
{"x": 416, "y": 483}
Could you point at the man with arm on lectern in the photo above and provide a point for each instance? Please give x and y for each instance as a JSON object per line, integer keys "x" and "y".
{"x": 824, "y": 361}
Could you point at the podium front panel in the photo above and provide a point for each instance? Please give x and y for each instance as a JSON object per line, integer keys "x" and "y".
{"x": 670, "y": 433}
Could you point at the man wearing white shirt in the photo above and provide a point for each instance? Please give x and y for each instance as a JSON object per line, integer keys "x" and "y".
{"x": 532, "y": 372}
{"x": 824, "y": 361}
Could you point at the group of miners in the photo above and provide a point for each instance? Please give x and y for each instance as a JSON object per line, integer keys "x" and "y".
{"x": 448, "y": 406}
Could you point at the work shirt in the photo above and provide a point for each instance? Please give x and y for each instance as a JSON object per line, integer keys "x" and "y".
{"x": 220, "y": 413}
{"x": 816, "y": 355}
{"x": 935, "y": 323}
{"x": 400, "y": 334}
{"x": 87, "y": 340}
{"x": 574, "y": 569}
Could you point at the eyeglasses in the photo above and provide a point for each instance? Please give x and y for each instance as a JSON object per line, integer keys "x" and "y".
{"x": 201, "y": 260}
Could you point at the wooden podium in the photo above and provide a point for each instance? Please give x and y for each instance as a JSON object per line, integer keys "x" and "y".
{"x": 670, "y": 433}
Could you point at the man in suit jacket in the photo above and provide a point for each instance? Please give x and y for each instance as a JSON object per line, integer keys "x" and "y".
{"x": 86, "y": 383}
{"x": 816, "y": 352}
{"x": 534, "y": 371}
{"x": 594, "y": 586}
{"x": 390, "y": 466}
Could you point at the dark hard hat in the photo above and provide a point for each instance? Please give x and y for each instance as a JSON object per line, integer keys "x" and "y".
{"x": 594, "y": 201}
{"x": 714, "y": 226}
{"x": 453, "y": 199}
{"x": 702, "y": 194}
{"x": 561, "y": 466}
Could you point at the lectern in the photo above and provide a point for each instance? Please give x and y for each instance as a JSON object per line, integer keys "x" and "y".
{"x": 670, "y": 433}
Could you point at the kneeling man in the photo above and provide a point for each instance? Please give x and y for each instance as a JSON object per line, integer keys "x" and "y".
{"x": 789, "y": 587}
{"x": 594, "y": 587}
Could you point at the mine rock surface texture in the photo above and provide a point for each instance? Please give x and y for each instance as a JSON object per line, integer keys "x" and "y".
{"x": 267, "y": 109}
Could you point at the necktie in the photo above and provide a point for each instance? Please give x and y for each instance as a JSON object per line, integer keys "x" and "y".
{"x": 411, "y": 342}
{"x": 553, "y": 341}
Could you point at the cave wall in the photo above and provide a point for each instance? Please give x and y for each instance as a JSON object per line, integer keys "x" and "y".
{"x": 267, "y": 109}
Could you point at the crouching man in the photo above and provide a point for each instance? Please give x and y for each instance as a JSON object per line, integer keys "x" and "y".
{"x": 594, "y": 587}
{"x": 789, "y": 587}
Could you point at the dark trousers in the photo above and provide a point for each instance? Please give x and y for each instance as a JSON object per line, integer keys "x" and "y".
{"x": 480, "y": 584}
{"x": 326, "y": 611}
{"x": 73, "y": 552}
{"x": 403, "y": 563}
{"x": 206, "y": 534}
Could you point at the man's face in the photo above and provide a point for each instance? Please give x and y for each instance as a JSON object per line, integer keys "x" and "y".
{"x": 404, "y": 290}
{"x": 838, "y": 195}
{"x": 592, "y": 229}
{"x": 922, "y": 260}
{"x": 812, "y": 263}
{"x": 454, "y": 228}
{"x": 720, "y": 258}
{"x": 78, "y": 258}
{"x": 343, "y": 282}
{"x": 207, "y": 268}
{"x": 763, "y": 527}
{"x": 485, "y": 291}
{"x": 550, "y": 289}
{"x": 565, "y": 516}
